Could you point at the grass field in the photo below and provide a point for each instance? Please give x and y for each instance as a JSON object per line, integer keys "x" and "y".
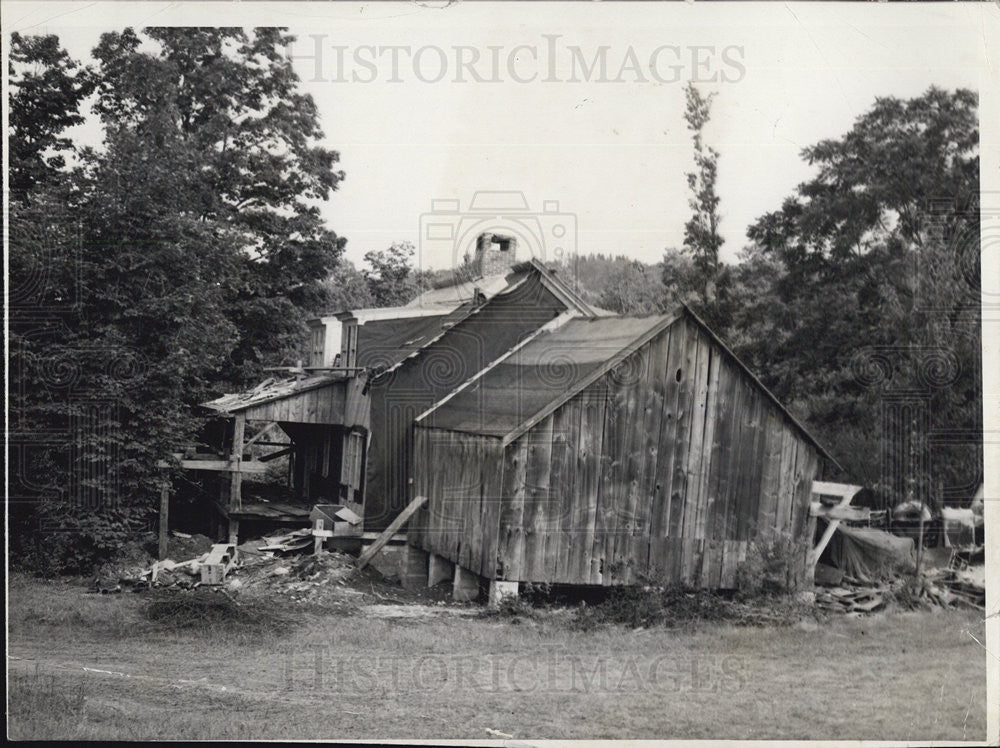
{"x": 92, "y": 667}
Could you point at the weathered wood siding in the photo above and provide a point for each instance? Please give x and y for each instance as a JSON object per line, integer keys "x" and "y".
{"x": 318, "y": 463}
{"x": 671, "y": 463}
{"x": 460, "y": 521}
{"x": 439, "y": 368}
{"x": 341, "y": 403}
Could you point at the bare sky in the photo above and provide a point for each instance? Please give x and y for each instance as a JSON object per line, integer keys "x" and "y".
{"x": 531, "y": 111}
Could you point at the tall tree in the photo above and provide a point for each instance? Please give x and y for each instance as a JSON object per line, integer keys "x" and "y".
{"x": 229, "y": 102}
{"x": 865, "y": 288}
{"x": 179, "y": 259}
{"x": 46, "y": 89}
{"x": 701, "y": 233}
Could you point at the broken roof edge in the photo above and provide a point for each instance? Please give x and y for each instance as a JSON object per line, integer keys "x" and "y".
{"x": 756, "y": 380}
{"x": 322, "y": 380}
{"x": 379, "y": 314}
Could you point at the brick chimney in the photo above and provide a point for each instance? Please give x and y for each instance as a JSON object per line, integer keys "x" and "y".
{"x": 495, "y": 253}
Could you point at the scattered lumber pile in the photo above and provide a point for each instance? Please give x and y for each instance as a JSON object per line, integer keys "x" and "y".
{"x": 217, "y": 563}
{"x": 964, "y": 588}
{"x": 281, "y": 565}
{"x": 943, "y": 587}
{"x": 207, "y": 569}
{"x": 287, "y": 543}
{"x": 852, "y": 598}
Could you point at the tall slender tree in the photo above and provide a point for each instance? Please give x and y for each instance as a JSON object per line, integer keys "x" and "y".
{"x": 701, "y": 233}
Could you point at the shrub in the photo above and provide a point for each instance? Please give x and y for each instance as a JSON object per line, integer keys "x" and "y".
{"x": 656, "y": 604}
{"x": 774, "y": 566}
{"x": 61, "y": 538}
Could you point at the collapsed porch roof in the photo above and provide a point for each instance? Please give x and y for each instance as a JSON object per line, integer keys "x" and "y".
{"x": 330, "y": 398}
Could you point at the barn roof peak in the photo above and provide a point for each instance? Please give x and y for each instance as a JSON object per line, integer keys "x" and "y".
{"x": 558, "y": 362}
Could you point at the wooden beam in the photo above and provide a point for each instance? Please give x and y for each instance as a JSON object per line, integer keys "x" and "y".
{"x": 219, "y": 466}
{"x": 852, "y": 513}
{"x": 259, "y": 435}
{"x": 399, "y": 537}
{"x": 236, "y": 476}
{"x": 391, "y": 530}
{"x": 846, "y": 492}
{"x": 318, "y": 539}
{"x": 236, "y": 480}
{"x": 275, "y": 455}
{"x": 843, "y": 490}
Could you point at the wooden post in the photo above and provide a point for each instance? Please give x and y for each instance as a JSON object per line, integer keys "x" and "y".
{"x": 236, "y": 480}
{"x": 387, "y": 534}
{"x": 317, "y": 539}
{"x": 236, "y": 476}
{"x": 164, "y": 519}
{"x": 920, "y": 541}
{"x": 846, "y": 493}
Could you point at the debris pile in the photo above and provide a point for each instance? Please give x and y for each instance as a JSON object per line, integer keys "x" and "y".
{"x": 964, "y": 588}
{"x": 287, "y": 543}
{"x": 167, "y": 573}
{"x": 281, "y": 565}
{"x": 851, "y": 596}
{"x": 321, "y": 578}
{"x": 943, "y": 587}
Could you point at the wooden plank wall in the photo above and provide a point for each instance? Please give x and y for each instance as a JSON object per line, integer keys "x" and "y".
{"x": 460, "y": 521}
{"x": 669, "y": 465}
{"x": 437, "y": 370}
{"x": 338, "y": 403}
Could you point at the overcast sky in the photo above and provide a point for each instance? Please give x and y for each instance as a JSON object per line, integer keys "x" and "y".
{"x": 484, "y": 97}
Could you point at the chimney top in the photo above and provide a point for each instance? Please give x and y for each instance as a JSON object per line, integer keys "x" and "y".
{"x": 495, "y": 253}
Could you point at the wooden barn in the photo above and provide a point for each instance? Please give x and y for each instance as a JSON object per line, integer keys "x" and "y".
{"x": 346, "y": 419}
{"x": 554, "y": 441}
{"x": 601, "y": 450}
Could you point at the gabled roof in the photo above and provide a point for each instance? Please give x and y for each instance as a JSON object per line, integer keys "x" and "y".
{"x": 555, "y": 284}
{"x": 388, "y": 342}
{"x": 533, "y": 380}
{"x": 389, "y": 335}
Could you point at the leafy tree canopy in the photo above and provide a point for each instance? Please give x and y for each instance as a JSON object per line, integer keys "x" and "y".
{"x": 163, "y": 268}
